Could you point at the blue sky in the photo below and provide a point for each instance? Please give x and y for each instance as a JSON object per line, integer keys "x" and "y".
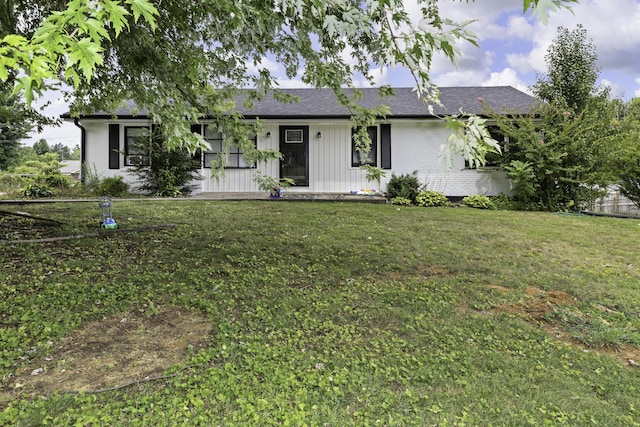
{"x": 511, "y": 52}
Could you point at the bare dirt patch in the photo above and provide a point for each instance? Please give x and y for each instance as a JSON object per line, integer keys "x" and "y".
{"x": 113, "y": 352}
{"x": 539, "y": 303}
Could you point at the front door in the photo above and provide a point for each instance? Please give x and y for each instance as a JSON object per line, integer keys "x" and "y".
{"x": 294, "y": 146}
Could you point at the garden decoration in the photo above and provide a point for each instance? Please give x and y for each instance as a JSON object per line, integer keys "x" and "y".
{"x": 107, "y": 219}
{"x": 277, "y": 192}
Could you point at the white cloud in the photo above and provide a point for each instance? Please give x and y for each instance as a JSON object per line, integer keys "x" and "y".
{"x": 285, "y": 83}
{"x": 506, "y": 77}
{"x": 519, "y": 27}
{"x": 380, "y": 77}
{"x": 612, "y": 27}
{"x": 616, "y": 89}
{"x": 264, "y": 64}
{"x": 520, "y": 42}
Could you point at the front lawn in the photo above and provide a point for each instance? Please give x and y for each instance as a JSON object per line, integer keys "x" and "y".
{"x": 319, "y": 314}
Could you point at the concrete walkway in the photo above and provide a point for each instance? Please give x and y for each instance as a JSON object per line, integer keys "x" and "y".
{"x": 232, "y": 196}
{"x": 292, "y": 196}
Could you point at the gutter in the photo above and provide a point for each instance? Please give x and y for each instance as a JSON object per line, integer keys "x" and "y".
{"x": 83, "y": 139}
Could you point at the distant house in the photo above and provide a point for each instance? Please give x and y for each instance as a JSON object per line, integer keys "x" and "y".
{"x": 315, "y": 138}
{"x": 71, "y": 168}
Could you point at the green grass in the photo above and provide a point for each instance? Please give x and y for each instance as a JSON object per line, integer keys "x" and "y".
{"x": 335, "y": 314}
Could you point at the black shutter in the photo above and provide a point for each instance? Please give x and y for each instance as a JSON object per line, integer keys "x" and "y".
{"x": 196, "y": 129}
{"x": 385, "y": 146}
{"x": 114, "y": 146}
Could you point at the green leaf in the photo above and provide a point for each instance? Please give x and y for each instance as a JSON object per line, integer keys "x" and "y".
{"x": 117, "y": 15}
{"x": 23, "y": 84}
{"x": 542, "y": 8}
{"x": 145, "y": 9}
{"x": 527, "y": 5}
{"x": 86, "y": 54}
{"x": 14, "y": 40}
{"x": 96, "y": 30}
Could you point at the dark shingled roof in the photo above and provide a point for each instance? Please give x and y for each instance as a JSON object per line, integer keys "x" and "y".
{"x": 322, "y": 104}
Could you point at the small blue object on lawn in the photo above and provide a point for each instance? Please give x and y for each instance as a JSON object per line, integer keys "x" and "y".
{"x": 107, "y": 219}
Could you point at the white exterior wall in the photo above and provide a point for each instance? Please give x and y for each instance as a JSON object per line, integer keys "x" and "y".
{"x": 330, "y": 168}
{"x": 97, "y": 148}
{"x": 415, "y": 145}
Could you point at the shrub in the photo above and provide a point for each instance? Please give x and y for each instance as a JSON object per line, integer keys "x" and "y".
{"x": 165, "y": 172}
{"x": 113, "y": 186}
{"x": 53, "y": 180}
{"x": 36, "y": 191}
{"x": 401, "y": 201}
{"x": 479, "y": 202}
{"x": 428, "y": 198}
{"x": 11, "y": 182}
{"x": 406, "y": 186}
{"x": 503, "y": 202}
{"x": 90, "y": 177}
{"x": 524, "y": 188}
{"x": 270, "y": 184}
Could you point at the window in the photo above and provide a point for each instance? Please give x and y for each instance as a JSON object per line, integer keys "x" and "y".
{"x": 234, "y": 156}
{"x": 358, "y": 158}
{"x": 134, "y": 154}
{"x": 293, "y": 136}
{"x": 492, "y": 160}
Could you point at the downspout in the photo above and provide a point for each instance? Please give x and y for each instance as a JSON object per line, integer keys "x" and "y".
{"x": 83, "y": 156}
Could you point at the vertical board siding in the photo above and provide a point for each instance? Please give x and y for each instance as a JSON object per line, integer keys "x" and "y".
{"x": 415, "y": 146}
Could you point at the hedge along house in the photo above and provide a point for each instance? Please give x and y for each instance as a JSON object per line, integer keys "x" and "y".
{"x": 314, "y": 136}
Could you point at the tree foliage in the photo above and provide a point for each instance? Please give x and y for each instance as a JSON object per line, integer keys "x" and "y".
{"x": 164, "y": 172}
{"x": 572, "y": 73}
{"x": 62, "y": 150}
{"x": 626, "y": 164}
{"x": 558, "y": 160}
{"x": 15, "y": 124}
{"x": 560, "y": 157}
{"x": 184, "y": 60}
{"x": 41, "y": 147}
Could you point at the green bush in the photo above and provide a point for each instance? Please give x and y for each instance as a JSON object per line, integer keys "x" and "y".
{"x": 11, "y": 182}
{"x": 401, "y": 201}
{"x": 406, "y": 186}
{"x": 90, "y": 177}
{"x": 503, "y": 202}
{"x": 428, "y": 198}
{"x": 113, "y": 186}
{"x": 36, "y": 191}
{"x": 53, "y": 180}
{"x": 524, "y": 189}
{"x": 164, "y": 172}
{"x": 479, "y": 202}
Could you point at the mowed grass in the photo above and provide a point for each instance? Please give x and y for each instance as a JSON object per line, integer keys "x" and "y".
{"x": 335, "y": 314}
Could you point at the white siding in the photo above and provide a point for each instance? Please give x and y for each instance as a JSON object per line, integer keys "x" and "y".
{"x": 415, "y": 146}
{"x": 330, "y": 160}
{"x": 97, "y": 148}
